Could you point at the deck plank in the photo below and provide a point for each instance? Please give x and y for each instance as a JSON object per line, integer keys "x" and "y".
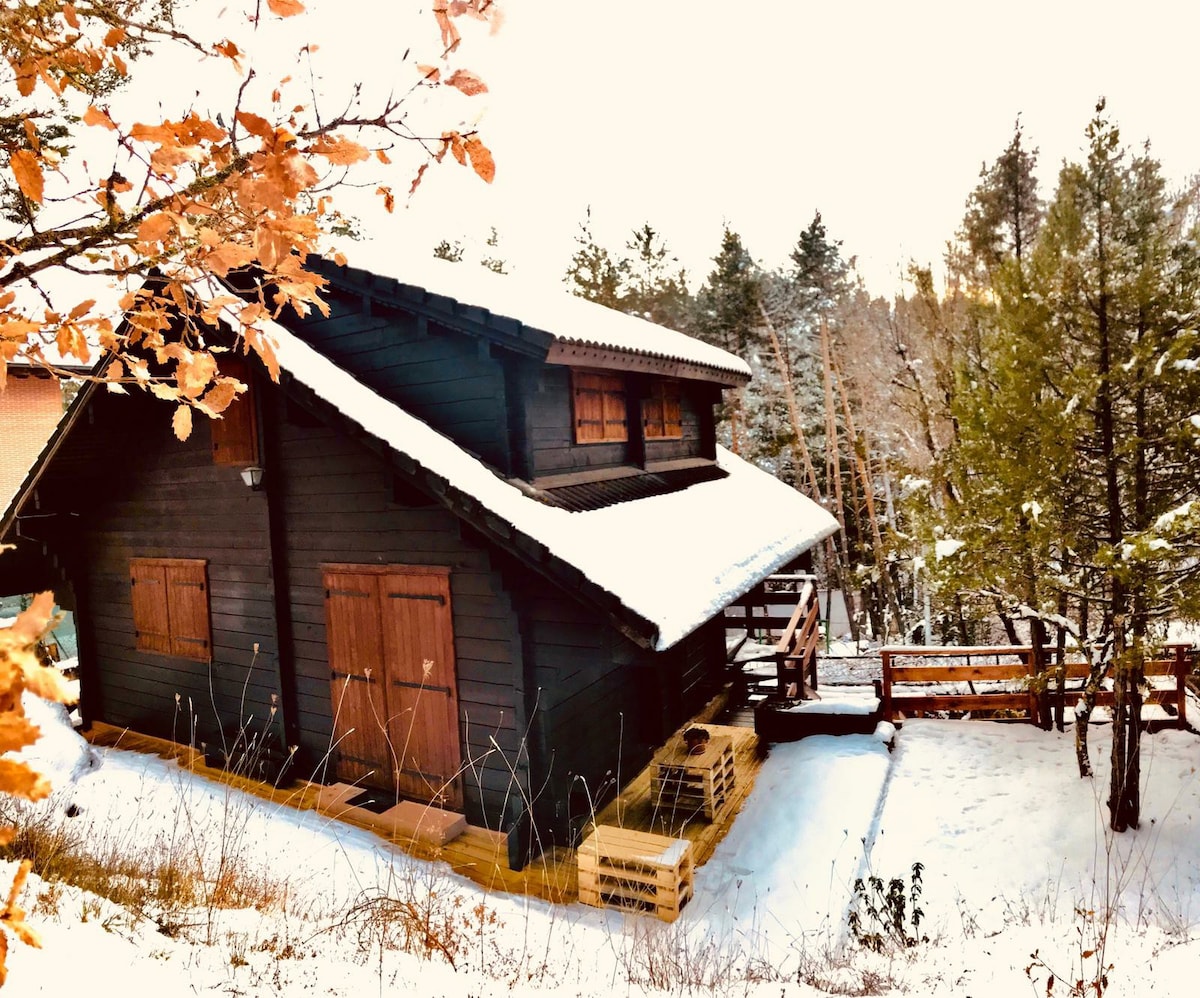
{"x": 482, "y": 855}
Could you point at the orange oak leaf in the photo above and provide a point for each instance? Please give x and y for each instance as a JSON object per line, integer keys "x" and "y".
{"x": 162, "y": 133}
{"x": 98, "y": 116}
{"x": 28, "y": 171}
{"x": 450, "y": 35}
{"x": 72, "y": 18}
{"x": 155, "y": 228}
{"x": 389, "y": 199}
{"x": 181, "y": 422}
{"x": 431, "y": 73}
{"x": 453, "y": 141}
{"x": 31, "y": 133}
{"x": 285, "y": 8}
{"x": 114, "y": 37}
{"x": 481, "y": 159}
{"x": 467, "y": 82}
{"x": 255, "y": 125}
{"x": 82, "y": 309}
{"x": 339, "y": 151}
{"x": 231, "y": 52}
{"x": 221, "y": 394}
{"x": 72, "y": 343}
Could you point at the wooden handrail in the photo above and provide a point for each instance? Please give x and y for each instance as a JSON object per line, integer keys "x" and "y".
{"x": 784, "y": 646}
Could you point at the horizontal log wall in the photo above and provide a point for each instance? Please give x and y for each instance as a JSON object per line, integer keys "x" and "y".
{"x": 603, "y": 703}
{"x": 446, "y": 378}
{"x": 142, "y": 493}
{"x": 341, "y": 504}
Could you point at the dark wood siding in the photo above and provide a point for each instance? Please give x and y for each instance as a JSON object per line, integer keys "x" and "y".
{"x": 340, "y": 507}
{"x": 446, "y": 378}
{"x": 604, "y": 704}
{"x": 695, "y": 408}
{"x": 122, "y": 488}
{"x": 550, "y": 434}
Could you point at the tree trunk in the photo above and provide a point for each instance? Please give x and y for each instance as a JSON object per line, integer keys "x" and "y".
{"x": 1083, "y": 712}
{"x": 887, "y": 592}
{"x": 833, "y": 473}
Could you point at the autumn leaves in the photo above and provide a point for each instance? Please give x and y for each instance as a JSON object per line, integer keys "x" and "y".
{"x": 191, "y": 198}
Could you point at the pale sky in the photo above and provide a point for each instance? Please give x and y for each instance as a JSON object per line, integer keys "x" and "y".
{"x": 879, "y": 114}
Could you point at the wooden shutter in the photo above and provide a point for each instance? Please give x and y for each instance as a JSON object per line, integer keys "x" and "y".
{"x": 599, "y": 401}
{"x": 235, "y": 434}
{"x": 170, "y": 607}
{"x": 661, "y": 411}
{"x": 148, "y": 586}
{"x": 188, "y": 609}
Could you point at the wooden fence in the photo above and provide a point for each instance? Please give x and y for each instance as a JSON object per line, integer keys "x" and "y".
{"x": 906, "y": 691}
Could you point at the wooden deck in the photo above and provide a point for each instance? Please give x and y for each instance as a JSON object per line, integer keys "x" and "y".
{"x": 478, "y": 853}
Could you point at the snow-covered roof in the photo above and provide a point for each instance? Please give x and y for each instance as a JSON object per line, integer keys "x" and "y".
{"x": 675, "y": 560}
{"x": 567, "y": 319}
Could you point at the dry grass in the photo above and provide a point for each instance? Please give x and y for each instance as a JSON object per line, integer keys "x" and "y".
{"x": 160, "y": 880}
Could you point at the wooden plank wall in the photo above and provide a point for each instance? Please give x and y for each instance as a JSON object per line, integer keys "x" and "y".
{"x": 603, "y": 703}
{"x": 446, "y": 378}
{"x": 341, "y": 505}
{"x": 149, "y": 495}
{"x": 551, "y": 436}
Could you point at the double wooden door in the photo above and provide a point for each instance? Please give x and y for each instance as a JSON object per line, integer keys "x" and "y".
{"x": 395, "y": 701}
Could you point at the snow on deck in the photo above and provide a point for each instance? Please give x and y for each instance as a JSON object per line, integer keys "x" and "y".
{"x": 676, "y": 560}
{"x": 553, "y": 310}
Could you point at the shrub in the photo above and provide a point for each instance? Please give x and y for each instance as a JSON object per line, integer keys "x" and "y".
{"x": 881, "y": 913}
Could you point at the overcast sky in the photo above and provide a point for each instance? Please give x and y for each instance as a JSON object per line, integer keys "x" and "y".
{"x": 879, "y": 114}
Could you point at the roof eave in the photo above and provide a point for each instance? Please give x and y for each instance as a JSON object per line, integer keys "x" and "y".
{"x": 34, "y": 475}
{"x": 575, "y": 354}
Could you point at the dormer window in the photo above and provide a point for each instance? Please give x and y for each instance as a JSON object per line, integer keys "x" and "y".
{"x": 599, "y": 400}
{"x": 661, "y": 419}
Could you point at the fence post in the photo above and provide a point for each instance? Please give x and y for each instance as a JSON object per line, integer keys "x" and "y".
{"x": 1181, "y": 671}
{"x": 886, "y": 705}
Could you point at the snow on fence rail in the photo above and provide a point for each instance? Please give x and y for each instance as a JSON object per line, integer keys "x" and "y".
{"x": 1006, "y": 682}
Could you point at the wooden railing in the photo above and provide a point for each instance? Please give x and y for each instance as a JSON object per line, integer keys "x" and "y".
{"x": 767, "y": 609}
{"x": 796, "y": 651}
{"x": 899, "y": 696}
{"x": 795, "y": 617}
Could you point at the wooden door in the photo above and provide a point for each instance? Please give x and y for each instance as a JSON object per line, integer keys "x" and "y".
{"x": 358, "y": 683}
{"x": 419, "y": 648}
{"x": 395, "y": 697}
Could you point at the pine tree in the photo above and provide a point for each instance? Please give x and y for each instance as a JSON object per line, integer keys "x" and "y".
{"x": 728, "y": 315}
{"x": 1080, "y": 506}
{"x": 655, "y": 285}
{"x": 593, "y": 273}
{"x": 1004, "y": 211}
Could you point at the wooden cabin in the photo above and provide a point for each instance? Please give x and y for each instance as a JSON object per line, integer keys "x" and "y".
{"x": 473, "y": 547}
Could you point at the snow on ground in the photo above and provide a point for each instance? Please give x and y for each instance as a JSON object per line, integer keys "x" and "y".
{"x": 1015, "y": 857}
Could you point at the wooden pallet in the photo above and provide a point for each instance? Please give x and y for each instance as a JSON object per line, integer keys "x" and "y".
{"x": 695, "y": 783}
{"x": 636, "y": 871}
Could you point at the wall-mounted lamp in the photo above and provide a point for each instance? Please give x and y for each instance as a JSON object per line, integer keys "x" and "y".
{"x": 253, "y": 477}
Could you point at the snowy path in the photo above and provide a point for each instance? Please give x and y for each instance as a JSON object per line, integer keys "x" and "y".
{"x": 786, "y": 868}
